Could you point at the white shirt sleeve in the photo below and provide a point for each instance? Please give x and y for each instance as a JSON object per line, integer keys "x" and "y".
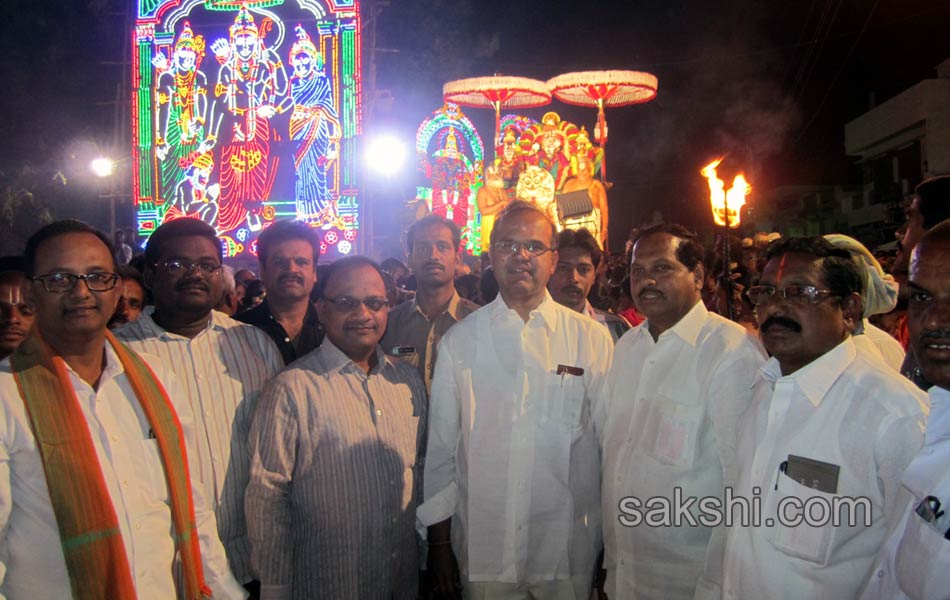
{"x": 439, "y": 480}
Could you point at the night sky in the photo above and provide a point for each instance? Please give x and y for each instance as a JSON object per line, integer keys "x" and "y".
{"x": 771, "y": 83}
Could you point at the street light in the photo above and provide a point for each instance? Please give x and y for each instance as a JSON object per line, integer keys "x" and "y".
{"x": 102, "y": 167}
{"x": 386, "y": 155}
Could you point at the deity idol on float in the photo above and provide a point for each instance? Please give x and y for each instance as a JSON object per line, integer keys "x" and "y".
{"x": 315, "y": 130}
{"x": 182, "y": 108}
{"x": 251, "y": 88}
{"x": 545, "y": 145}
{"x": 583, "y": 161}
{"x": 501, "y": 178}
{"x": 451, "y": 182}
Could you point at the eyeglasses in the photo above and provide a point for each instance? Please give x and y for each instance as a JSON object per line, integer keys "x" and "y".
{"x": 180, "y": 266}
{"x": 350, "y": 304}
{"x": 532, "y": 247}
{"x": 796, "y": 294}
{"x": 58, "y": 283}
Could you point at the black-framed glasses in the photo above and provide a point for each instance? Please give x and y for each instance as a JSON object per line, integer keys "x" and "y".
{"x": 350, "y": 304}
{"x": 58, "y": 283}
{"x": 796, "y": 294}
{"x": 175, "y": 266}
{"x": 532, "y": 247}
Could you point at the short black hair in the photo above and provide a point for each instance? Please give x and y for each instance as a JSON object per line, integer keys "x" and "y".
{"x": 12, "y": 264}
{"x": 391, "y": 264}
{"x": 689, "y": 251}
{"x": 838, "y": 269}
{"x": 56, "y": 229}
{"x": 127, "y": 272}
{"x": 286, "y": 229}
{"x": 519, "y": 206}
{"x": 583, "y": 239}
{"x": 427, "y": 220}
{"x": 933, "y": 200}
{"x": 344, "y": 265}
{"x": 173, "y": 230}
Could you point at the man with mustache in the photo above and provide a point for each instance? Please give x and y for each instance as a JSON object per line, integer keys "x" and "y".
{"x": 512, "y": 472}
{"x": 417, "y": 326}
{"x": 827, "y": 423}
{"x": 930, "y": 206}
{"x": 578, "y": 257}
{"x": 288, "y": 253}
{"x": 336, "y": 462}
{"x": 132, "y": 300}
{"x": 679, "y": 384}
{"x": 16, "y": 314}
{"x": 222, "y": 364}
{"x": 914, "y": 561}
{"x": 94, "y": 485}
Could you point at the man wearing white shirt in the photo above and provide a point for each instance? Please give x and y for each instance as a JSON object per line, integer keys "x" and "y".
{"x": 679, "y": 383}
{"x": 825, "y": 423}
{"x": 915, "y": 560}
{"x": 512, "y": 473}
{"x": 222, "y": 364}
{"x": 48, "y": 547}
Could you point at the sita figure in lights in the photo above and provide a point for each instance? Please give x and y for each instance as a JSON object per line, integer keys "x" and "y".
{"x": 251, "y": 88}
{"x": 315, "y": 130}
{"x": 182, "y": 101}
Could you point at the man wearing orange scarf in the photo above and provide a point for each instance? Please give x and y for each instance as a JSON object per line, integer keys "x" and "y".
{"x": 95, "y": 492}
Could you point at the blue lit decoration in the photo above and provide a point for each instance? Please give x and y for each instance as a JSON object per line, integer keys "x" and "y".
{"x": 245, "y": 112}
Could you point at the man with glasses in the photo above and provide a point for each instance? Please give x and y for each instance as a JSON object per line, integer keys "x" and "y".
{"x": 93, "y": 465}
{"x": 915, "y": 560}
{"x": 223, "y": 365}
{"x": 826, "y": 424}
{"x": 288, "y": 252}
{"x": 417, "y": 326}
{"x": 679, "y": 384}
{"x": 512, "y": 477}
{"x": 336, "y": 457}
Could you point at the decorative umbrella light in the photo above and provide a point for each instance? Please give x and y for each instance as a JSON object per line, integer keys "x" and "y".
{"x": 602, "y": 89}
{"x": 497, "y": 91}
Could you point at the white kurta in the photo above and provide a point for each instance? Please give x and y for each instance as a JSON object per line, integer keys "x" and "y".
{"x": 842, "y": 409}
{"x": 915, "y": 560}
{"x": 670, "y": 421}
{"x": 32, "y": 564}
{"x": 512, "y": 455}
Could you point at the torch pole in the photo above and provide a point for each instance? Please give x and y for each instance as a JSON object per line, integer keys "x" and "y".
{"x": 726, "y": 261}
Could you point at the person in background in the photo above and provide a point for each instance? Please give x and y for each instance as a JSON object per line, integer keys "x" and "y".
{"x": 416, "y": 327}
{"x": 133, "y": 298}
{"x": 244, "y": 277}
{"x": 879, "y": 294}
{"x": 288, "y": 251}
{"x": 16, "y": 312}
{"x": 578, "y": 259}
{"x": 229, "y": 298}
{"x": 914, "y": 560}
{"x": 336, "y": 449}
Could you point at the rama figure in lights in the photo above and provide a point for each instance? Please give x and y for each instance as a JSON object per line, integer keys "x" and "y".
{"x": 182, "y": 106}
{"x": 251, "y": 88}
{"x": 314, "y": 128}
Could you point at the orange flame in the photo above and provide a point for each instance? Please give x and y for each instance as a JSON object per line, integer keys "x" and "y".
{"x": 718, "y": 196}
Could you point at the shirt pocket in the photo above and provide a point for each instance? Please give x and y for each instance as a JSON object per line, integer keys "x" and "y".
{"x": 564, "y": 401}
{"x": 801, "y": 540}
{"x": 155, "y": 472}
{"x": 922, "y": 560}
{"x": 676, "y": 430}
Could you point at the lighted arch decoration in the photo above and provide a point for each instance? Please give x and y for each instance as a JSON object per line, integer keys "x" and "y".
{"x": 451, "y": 156}
{"x": 240, "y": 134}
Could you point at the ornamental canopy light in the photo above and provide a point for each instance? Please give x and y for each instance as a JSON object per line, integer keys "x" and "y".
{"x": 497, "y": 92}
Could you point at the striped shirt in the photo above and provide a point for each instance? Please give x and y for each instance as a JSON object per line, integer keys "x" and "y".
{"x": 336, "y": 466}
{"x": 223, "y": 371}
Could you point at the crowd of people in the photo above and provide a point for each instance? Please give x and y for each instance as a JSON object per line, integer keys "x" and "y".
{"x": 545, "y": 422}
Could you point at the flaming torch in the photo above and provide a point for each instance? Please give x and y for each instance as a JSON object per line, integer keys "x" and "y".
{"x": 726, "y": 205}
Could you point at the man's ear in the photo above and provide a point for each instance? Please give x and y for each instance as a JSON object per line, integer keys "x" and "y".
{"x": 851, "y": 307}
{"x": 699, "y": 275}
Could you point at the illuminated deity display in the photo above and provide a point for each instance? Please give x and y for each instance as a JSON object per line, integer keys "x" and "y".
{"x": 450, "y": 154}
{"x": 248, "y": 140}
